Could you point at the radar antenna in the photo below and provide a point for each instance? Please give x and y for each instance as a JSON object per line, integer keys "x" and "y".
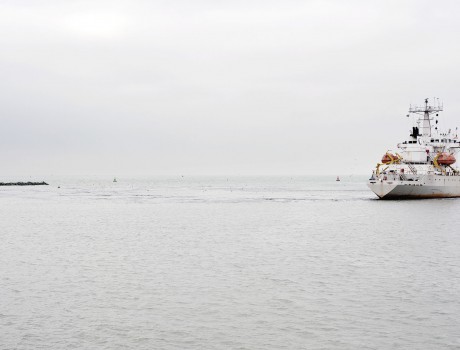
{"x": 427, "y": 108}
{"x": 426, "y": 111}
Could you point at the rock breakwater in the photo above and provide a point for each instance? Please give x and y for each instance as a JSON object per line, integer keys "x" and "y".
{"x": 43, "y": 183}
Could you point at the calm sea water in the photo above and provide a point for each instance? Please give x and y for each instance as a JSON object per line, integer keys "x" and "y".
{"x": 217, "y": 263}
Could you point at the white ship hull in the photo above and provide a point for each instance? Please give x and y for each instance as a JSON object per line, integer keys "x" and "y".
{"x": 433, "y": 187}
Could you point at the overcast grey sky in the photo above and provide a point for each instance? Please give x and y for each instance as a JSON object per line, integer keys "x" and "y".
{"x": 218, "y": 87}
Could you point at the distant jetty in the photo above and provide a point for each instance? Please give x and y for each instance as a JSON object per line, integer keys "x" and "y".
{"x": 43, "y": 183}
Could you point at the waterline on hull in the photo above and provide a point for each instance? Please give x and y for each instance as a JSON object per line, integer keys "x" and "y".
{"x": 416, "y": 191}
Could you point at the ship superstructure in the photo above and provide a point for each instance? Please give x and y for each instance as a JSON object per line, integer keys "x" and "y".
{"x": 423, "y": 165}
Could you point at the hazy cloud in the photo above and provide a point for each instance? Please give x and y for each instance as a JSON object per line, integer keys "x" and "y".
{"x": 241, "y": 87}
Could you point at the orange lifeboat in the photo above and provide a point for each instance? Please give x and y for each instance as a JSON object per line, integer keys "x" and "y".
{"x": 446, "y": 159}
{"x": 389, "y": 158}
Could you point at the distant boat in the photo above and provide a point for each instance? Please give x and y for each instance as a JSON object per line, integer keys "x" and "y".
{"x": 114, "y": 179}
{"x": 338, "y": 179}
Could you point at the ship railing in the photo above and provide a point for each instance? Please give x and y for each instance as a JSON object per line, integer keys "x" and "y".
{"x": 418, "y": 177}
{"x": 397, "y": 177}
{"x": 408, "y": 177}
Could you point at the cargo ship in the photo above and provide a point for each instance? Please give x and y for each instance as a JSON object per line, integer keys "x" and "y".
{"x": 423, "y": 165}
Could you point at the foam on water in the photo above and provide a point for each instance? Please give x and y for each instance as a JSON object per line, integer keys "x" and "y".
{"x": 217, "y": 263}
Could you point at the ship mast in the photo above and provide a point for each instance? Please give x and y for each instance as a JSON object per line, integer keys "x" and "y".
{"x": 426, "y": 111}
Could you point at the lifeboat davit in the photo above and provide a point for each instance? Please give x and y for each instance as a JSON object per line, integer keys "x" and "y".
{"x": 389, "y": 158}
{"x": 446, "y": 159}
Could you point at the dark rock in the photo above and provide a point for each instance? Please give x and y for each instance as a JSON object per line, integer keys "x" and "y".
{"x": 43, "y": 183}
